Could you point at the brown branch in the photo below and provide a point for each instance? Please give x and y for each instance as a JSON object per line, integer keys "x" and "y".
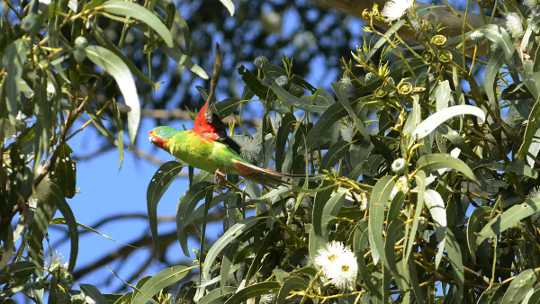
{"x": 143, "y": 242}
{"x": 107, "y": 220}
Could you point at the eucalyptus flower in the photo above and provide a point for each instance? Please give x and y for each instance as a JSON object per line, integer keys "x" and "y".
{"x": 395, "y": 9}
{"x": 513, "y": 24}
{"x": 338, "y": 264}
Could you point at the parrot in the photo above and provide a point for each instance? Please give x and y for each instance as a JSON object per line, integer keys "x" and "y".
{"x": 208, "y": 147}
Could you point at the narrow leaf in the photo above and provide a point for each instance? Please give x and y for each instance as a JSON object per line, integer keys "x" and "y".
{"x": 521, "y": 284}
{"x": 186, "y": 208}
{"x": 138, "y": 12}
{"x": 420, "y": 188}
{"x": 434, "y": 120}
{"x": 437, "y": 161}
{"x": 229, "y": 5}
{"x": 158, "y": 282}
{"x": 94, "y": 293}
{"x": 378, "y": 201}
{"x": 252, "y": 291}
{"x": 158, "y": 185}
{"x": 122, "y": 75}
{"x": 229, "y": 236}
{"x": 508, "y": 219}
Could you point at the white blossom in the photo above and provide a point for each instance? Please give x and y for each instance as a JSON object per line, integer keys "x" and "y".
{"x": 338, "y": 264}
{"x": 395, "y": 9}
{"x": 267, "y": 298}
{"x": 476, "y": 35}
{"x": 513, "y": 24}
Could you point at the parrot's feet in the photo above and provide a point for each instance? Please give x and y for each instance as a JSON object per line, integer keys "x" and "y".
{"x": 220, "y": 178}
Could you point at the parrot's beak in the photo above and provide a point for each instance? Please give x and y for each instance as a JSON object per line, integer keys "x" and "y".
{"x": 156, "y": 140}
{"x": 151, "y": 136}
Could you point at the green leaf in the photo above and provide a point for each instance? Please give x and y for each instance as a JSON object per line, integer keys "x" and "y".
{"x": 335, "y": 153}
{"x": 344, "y": 101}
{"x": 454, "y": 256}
{"x": 436, "y": 161}
{"x": 64, "y": 172}
{"x": 420, "y": 188}
{"x": 288, "y": 122}
{"x": 443, "y": 95}
{"x": 138, "y": 12}
{"x": 46, "y": 206}
{"x": 377, "y": 203}
{"x": 229, "y": 5}
{"x": 360, "y": 246}
{"x": 291, "y": 283}
{"x": 498, "y": 35}
{"x": 324, "y": 210}
{"x": 492, "y": 69}
{"x": 318, "y": 134}
{"x": 73, "y": 233}
{"x": 474, "y": 224}
{"x": 252, "y": 291}
{"x": 94, "y": 293}
{"x": 158, "y": 185}
{"x": 122, "y": 75}
{"x": 533, "y": 123}
{"x": 217, "y": 296}
{"x": 385, "y": 38}
{"x": 508, "y": 219}
{"x": 253, "y": 83}
{"x": 435, "y": 205}
{"x": 158, "y": 282}
{"x": 13, "y": 60}
{"x": 532, "y": 298}
{"x": 520, "y": 286}
{"x": 491, "y": 295}
{"x": 305, "y": 103}
{"x": 434, "y": 120}
{"x": 413, "y": 118}
{"x": 395, "y": 232}
{"x": 229, "y": 236}
{"x": 196, "y": 69}
{"x": 185, "y": 210}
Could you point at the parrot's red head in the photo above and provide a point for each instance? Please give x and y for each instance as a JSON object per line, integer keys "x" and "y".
{"x": 160, "y": 136}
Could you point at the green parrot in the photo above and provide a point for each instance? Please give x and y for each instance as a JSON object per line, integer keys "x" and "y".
{"x": 208, "y": 147}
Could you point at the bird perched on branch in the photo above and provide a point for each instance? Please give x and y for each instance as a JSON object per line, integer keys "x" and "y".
{"x": 208, "y": 147}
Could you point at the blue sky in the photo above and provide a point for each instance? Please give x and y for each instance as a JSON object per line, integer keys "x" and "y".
{"x": 106, "y": 189}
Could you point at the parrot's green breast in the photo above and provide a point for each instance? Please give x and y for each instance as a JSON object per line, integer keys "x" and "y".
{"x": 202, "y": 153}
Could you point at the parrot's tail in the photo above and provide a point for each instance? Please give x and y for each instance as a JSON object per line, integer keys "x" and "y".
{"x": 270, "y": 177}
{"x": 261, "y": 175}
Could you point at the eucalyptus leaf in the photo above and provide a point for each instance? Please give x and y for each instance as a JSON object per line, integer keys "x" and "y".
{"x": 432, "y": 122}
{"x": 229, "y": 5}
{"x": 138, "y": 12}
{"x": 377, "y": 203}
{"x": 437, "y": 161}
{"x": 159, "y": 183}
{"x": 157, "y": 282}
{"x": 508, "y": 219}
{"x": 252, "y": 291}
{"x": 122, "y": 75}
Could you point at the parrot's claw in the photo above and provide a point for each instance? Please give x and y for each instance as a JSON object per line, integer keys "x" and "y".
{"x": 219, "y": 178}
